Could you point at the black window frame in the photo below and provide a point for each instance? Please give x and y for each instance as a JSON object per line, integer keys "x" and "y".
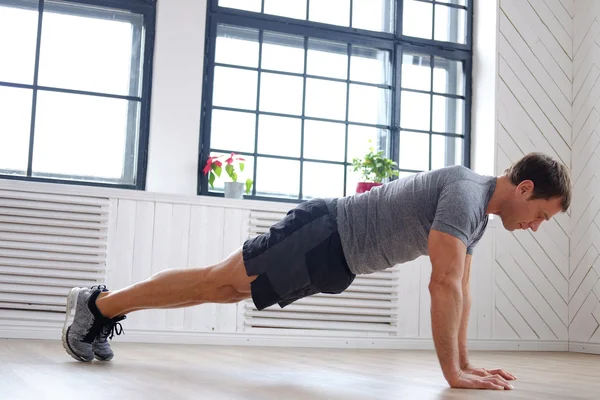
{"x": 146, "y": 8}
{"x": 394, "y": 42}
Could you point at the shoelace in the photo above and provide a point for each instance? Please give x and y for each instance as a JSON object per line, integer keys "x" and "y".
{"x": 109, "y": 330}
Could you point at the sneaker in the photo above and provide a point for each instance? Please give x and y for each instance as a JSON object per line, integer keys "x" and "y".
{"x": 100, "y": 346}
{"x": 83, "y": 323}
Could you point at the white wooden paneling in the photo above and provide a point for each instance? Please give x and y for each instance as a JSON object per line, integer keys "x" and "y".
{"x": 147, "y": 237}
{"x": 585, "y": 221}
{"x": 535, "y": 113}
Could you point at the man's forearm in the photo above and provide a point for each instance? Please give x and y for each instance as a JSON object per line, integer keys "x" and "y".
{"x": 463, "y": 331}
{"x": 446, "y": 310}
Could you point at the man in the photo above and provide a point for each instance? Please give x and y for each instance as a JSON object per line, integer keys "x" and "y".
{"x": 322, "y": 244}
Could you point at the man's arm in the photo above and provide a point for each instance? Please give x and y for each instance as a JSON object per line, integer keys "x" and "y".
{"x": 447, "y": 254}
{"x": 448, "y": 257}
{"x": 466, "y": 310}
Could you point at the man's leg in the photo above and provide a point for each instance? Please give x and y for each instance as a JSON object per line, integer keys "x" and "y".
{"x": 92, "y": 314}
{"x": 225, "y": 282}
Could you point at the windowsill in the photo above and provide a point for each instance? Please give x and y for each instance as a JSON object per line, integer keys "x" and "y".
{"x": 136, "y": 195}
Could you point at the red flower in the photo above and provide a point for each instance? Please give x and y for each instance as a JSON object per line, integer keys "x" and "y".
{"x": 209, "y": 162}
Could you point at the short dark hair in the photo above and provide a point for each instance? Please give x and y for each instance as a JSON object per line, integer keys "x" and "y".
{"x": 550, "y": 177}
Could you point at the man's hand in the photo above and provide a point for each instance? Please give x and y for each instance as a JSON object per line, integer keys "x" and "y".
{"x": 469, "y": 369}
{"x": 469, "y": 381}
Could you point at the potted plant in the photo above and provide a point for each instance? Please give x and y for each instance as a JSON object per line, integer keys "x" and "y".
{"x": 233, "y": 163}
{"x": 374, "y": 168}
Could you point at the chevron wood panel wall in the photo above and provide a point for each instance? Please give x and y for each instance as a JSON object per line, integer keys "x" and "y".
{"x": 535, "y": 113}
{"x": 584, "y": 269}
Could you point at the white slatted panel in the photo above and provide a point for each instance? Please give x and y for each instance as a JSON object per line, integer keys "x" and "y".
{"x": 48, "y": 244}
{"x": 584, "y": 285}
{"x": 535, "y": 113}
{"x": 368, "y": 306}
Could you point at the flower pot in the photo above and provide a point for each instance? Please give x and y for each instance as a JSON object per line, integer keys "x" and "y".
{"x": 234, "y": 190}
{"x": 362, "y": 187}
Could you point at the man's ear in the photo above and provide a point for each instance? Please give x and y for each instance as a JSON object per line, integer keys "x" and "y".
{"x": 525, "y": 188}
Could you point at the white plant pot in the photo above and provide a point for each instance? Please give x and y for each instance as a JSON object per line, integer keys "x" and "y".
{"x": 234, "y": 190}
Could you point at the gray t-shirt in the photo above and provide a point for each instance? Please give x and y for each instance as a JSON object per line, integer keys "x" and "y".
{"x": 390, "y": 224}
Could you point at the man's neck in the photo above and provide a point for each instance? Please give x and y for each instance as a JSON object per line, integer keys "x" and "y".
{"x": 503, "y": 189}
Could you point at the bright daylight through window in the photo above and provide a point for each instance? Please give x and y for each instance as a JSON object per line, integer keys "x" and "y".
{"x": 74, "y": 90}
{"x": 300, "y": 88}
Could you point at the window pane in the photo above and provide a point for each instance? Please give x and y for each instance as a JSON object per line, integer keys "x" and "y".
{"x": 283, "y": 52}
{"x": 277, "y": 178}
{"x": 370, "y": 66}
{"x": 238, "y": 81}
{"x": 417, "y": 19}
{"x": 414, "y": 151}
{"x": 369, "y": 105}
{"x": 414, "y": 111}
{"x": 279, "y": 135}
{"x": 92, "y": 54}
{"x": 324, "y": 140}
{"x": 237, "y": 46}
{"x": 327, "y": 59}
{"x": 448, "y": 115}
{"x": 248, "y": 5}
{"x": 286, "y": 8}
{"x": 325, "y": 99}
{"x": 404, "y": 174}
{"x": 85, "y": 136}
{"x": 248, "y": 173}
{"x": 281, "y": 93}
{"x": 416, "y": 71}
{"x": 335, "y": 12}
{"x": 448, "y": 76}
{"x": 15, "y": 125}
{"x": 373, "y": 15}
{"x": 320, "y": 180}
{"x": 446, "y": 151}
{"x": 450, "y": 24}
{"x": 18, "y": 36}
{"x": 362, "y": 138}
{"x": 232, "y": 131}
{"x": 352, "y": 179}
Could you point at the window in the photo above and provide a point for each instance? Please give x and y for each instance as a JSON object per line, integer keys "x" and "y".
{"x": 75, "y": 90}
{"x": 300, "y": 88}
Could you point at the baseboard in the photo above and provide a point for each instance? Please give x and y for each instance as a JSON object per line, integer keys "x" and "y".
{"x": 273, "y": 340}
{"x": 584, "y": 347}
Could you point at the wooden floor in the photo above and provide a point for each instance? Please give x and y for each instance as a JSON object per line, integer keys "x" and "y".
{"x": 31, "y": 370}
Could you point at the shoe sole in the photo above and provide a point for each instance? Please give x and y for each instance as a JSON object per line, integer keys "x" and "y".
{"x": 102, "y": 359}
{"x": 70, "y": 315}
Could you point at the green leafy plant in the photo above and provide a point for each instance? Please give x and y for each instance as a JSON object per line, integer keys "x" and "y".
{"x": 214, "y": 168}
{"x": 374, "y": 167}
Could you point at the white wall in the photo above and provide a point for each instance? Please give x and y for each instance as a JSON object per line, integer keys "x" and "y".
{"x": 584, "y": 309}
{"x": 534, "y": 111}
{"x": 522, "y": 102}
{"x": 176, "y": 97}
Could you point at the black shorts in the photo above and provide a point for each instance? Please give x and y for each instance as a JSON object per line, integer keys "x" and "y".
{"x": 300, "y": 256}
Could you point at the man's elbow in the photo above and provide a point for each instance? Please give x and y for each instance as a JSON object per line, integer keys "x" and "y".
{"x": 444, "y": 284}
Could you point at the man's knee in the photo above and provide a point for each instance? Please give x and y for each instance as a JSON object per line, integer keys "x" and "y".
{"x": 232, "y": 272}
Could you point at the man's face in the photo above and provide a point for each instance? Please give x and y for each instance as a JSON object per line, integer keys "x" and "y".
{"x": 520, "y": 212}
